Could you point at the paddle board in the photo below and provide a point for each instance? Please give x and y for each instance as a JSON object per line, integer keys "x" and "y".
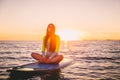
{"x": 40, "y": 67}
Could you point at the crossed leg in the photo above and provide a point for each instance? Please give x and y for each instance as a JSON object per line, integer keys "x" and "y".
{"x": 40, "y": 59}
{"x": 57, "y": 59}
{"x": 37, "y": 57}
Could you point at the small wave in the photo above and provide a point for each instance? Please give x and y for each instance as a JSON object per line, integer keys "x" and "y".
{"x": 6, "y": 52}
{"x": 116, "y": 62}
{"x": 111, "y": 67}
{"x": 113, "y": 51}
{"x": 4, "y": 67}
{"x": 10, "y": 52}
{"x": 6, "y": 57}
{"x": 100, "y": 58}
{"x": 24, "y": 57}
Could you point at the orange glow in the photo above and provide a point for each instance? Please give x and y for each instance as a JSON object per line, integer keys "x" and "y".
{"x": 20, "y": 37}
{"x": 70, "y": 35}
{"x": 74, "y": 19}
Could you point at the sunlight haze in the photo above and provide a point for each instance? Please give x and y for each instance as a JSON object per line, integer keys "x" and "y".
{"x": 80, "y": 19}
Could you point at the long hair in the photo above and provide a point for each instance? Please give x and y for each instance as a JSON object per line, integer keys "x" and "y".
{"x": 52, "y": 38}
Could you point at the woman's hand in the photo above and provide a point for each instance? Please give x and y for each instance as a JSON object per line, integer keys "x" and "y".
{"x": 48, "y": 54}
{"x": 53, "y": 55}
{"x": 43, "y": 54}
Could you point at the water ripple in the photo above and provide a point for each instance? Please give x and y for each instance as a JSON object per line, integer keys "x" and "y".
{"x": 93, "y": 60}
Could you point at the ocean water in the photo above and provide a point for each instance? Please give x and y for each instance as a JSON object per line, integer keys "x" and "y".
{"x": 93, "y": 60}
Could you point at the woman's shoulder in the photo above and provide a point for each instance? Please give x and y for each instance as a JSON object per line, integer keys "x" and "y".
{"x": 57, "y": 35}
{"x": 44, "y": 37}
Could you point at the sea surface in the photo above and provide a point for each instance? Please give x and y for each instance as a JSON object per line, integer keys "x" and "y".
{"x": 93, "y": 60}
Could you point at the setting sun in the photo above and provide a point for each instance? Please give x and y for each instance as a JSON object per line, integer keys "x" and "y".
{"x": 70, "y": 35}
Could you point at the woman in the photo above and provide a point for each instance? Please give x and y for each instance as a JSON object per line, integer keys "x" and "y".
{"x": 50, "y": 47}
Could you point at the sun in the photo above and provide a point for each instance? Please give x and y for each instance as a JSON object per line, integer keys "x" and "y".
{"x": 68, "y": 35}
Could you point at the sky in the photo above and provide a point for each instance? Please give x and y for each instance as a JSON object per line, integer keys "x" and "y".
{"x": 74, "y": 19}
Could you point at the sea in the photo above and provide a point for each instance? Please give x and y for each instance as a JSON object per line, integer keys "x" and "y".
{"x": 92, "y": 59}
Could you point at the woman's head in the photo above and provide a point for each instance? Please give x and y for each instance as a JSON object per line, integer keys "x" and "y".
{"x": 51, "y": 29}
{"x": 50, "y": 34}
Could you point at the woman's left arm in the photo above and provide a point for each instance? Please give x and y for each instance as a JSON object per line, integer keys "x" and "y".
{"x": 57, "y": 44}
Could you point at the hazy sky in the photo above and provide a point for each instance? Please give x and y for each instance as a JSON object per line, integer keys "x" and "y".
{"x": 28, "y": 19}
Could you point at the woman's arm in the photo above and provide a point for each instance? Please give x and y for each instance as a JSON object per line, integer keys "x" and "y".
{"x": 57, "y": 44}
{"x": 43, "y": 47}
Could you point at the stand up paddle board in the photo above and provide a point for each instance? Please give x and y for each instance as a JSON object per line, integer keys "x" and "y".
{"x": 40, "y": 67}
